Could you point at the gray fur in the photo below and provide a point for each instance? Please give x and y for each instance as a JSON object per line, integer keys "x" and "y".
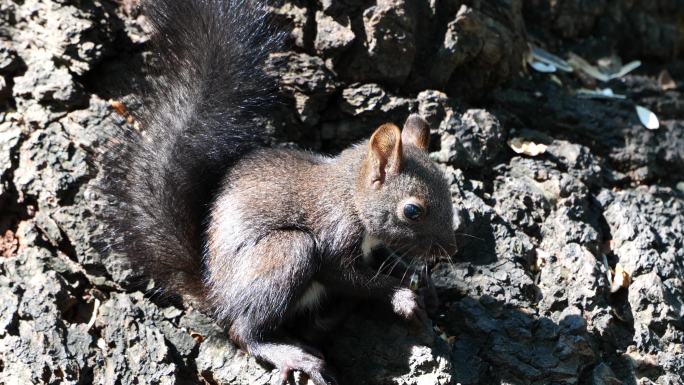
{"x": 285, "y": 219}
{"x": 248, "y": 230}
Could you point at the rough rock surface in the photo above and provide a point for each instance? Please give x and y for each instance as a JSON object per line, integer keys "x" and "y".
{"x": 536, "y": 293}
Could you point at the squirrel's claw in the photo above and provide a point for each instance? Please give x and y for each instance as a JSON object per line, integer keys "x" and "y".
{"x": 286, "y": 376}
{"x": 322, "y": 377}
{"x": 310, "y": 368}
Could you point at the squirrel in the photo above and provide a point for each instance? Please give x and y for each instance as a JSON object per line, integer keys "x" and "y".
{"x": 263, "y": 237}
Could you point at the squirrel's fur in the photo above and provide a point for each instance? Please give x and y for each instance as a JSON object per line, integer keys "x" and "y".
{"x": 263, "y": 237}
{"x": 211, "y": 87}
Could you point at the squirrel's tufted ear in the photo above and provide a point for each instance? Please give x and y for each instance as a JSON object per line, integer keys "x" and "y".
{"x": 416, "y": 132}
{"x": 384, "y": 154}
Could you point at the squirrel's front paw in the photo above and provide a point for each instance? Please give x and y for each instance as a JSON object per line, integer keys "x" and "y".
{"x": 428, "y": 295}
{"x": 409, "y": 305}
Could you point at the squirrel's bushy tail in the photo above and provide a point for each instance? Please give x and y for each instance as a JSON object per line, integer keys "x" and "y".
{"x": 200, "y": 120}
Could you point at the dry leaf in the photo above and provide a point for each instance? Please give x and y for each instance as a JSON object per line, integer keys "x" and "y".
{"x": 119, "y": 107}
{"x": 9, "y": 244}
{"x": 197, "y": 336}
{"x": 665, "y": 81}
{"x": 680, "y": 186}
{"x": 525, "y": 147}
{"x": 556, "y": 80}
{"x": 579, "y": 63}
{"x": 621, "y": 279}
{"x": 542, "y": 67}
{"x": 627, "y": 68}
{"x": 647, "y": 117}
{"x": 540, "y": 55}
{"x": 604, "y": 93}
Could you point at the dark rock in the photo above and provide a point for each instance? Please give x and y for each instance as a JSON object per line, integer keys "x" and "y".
{"x": 77, "y": 36}
{"x": 131, "y": 347}
{"x": 492, "y": 255}
{"x": 218, "y": 360}
{"x": 44, "y": 343}
{"x": 5, "y": 90}
{"x": 523, "y": 202}
{"x": 50, "y": 167}
{"x": 641, "y": 29}
{"x": 507, "y": 338}
{"x": 8, "y": 306}
{"x": 296, "y": 15}
{"x": 487, "y": 44}
{"x": 603, "y": 375}
{"x": 9, "y": 65}
{"x": 474, "y": 139}
{"x": 307, "y": 79}
{"x": 433, "y": 107}
{"x": 364, "y": 108}
{"x": 46, "y": 83}
{"x": 363, "y": 98}
{"x": 646, "y": 224}
{"x": 9, "y": 62}
{"x": 462, "y": 42}
{"x": 10, "y": 134}
{"x": 390, "y": 28}
{"x": 579, "y": 161}
{"x": 617, "y": 136}
{"x": 332, "y": 37}
{"x": 417, "y": 357}
{"x": 528, "y": 297}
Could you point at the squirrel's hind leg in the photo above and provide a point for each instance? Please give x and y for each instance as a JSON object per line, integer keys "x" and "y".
{"x": 284, "y": 353}
{"x": 276, "y": 273}
{"x": 288, "y": 356}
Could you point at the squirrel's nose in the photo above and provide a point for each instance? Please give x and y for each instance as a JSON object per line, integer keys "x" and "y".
{"x": 450, "y": 246}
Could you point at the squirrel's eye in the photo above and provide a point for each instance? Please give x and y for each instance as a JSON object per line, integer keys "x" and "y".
{"x": 412, "y": 211}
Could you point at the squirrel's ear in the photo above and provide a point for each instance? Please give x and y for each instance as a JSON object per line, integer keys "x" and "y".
{"x": 384, "y": 154}
{"x": 416, "y": 132}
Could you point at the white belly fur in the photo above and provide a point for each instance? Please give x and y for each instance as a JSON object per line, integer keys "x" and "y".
{"x": 367, "y": 245}
{"x": 312, "y": 296}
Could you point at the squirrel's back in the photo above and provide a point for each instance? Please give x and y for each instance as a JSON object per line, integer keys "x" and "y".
{"x": 211, "y": 88}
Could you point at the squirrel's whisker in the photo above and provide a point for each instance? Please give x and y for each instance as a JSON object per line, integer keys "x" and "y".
{"x": 469, "y": 235}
